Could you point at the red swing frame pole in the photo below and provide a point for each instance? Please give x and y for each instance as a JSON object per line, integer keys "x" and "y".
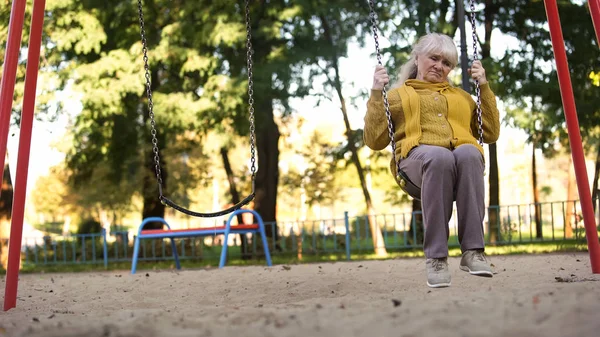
{"x": 7, "y": 90}
{"x": 595, "y": 13}
{"x": 20, "y": 190}
{"x": 568, "y": 100}
{"x": 11, "y": 59}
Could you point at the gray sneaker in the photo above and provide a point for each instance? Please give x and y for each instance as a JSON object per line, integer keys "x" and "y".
{"x": 474, "y": 262}
{"x": 438, "y": 275}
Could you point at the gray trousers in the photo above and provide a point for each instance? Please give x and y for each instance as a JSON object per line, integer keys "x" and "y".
{"x": 445, "y": 176}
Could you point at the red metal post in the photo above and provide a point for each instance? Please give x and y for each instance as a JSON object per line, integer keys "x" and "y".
{"x": 18, "y": 210}
{"x": 595, "y": 13}
{"x": 566, "y": 91}
{"x": 11, "y": 60}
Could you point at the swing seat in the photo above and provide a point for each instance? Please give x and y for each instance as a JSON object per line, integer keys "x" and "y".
{"x": 175, "y": 233}
{"x": 168, "y": 233}
{"x": 408, "y": 186}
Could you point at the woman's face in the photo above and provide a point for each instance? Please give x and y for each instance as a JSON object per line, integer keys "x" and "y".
{"x": 433, "y": 68}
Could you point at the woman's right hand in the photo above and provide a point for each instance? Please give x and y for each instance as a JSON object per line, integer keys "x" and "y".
{"x": 380, "y": 78}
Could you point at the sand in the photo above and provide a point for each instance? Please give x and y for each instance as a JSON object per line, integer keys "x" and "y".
{"x": 543, "y": 295}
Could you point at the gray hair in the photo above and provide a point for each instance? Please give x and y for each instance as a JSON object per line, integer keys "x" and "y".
{"x": 432, "y": 43}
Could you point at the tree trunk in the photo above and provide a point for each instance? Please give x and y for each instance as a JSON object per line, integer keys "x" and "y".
{"x": 494, "y": 195}
{"x": 595, "y": 198}
{"x": 572, "y": 195}
{"x": 464, "y": 56}
{"x": 416, "y": 224}
{"x": 267, "y": 176}
{"x": 105, "y": 221}
{"x": 66, "y": 225}
{"x": 6, "y": 199}
{"x": 494, "y": 179}
{"x": 152, "y": 205}
{"x": 378, "y": 243}
{"x": 536, "y": 196}
{"x": 235, "y": 198}
{"x": 299, "y": 244}
{"x": 267, "y": 132}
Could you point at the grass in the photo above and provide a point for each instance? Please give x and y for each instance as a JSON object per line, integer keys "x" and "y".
{"x": 291, "y": 258}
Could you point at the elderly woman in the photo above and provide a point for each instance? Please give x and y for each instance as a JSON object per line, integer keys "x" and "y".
{"x": 440, "y": 158}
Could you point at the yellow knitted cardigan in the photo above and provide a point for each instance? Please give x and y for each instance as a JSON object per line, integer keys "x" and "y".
{"x": 432, "y": 114}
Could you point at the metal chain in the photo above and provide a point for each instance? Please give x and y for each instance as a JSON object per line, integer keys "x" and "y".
{"x": 385, "y": 98}
{"x": 150, "y": 104}
{"x": 249, "y": 52}
{"x": 475, "y": 57}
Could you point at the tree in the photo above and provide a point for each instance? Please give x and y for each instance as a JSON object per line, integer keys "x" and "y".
{"x": 199, "y": 77}
{"x": 45, "y": 111}
{"x": 490, "y": 12}
{"x": 335, "y": 26}
{"x": 235, "y": 196}
{"x": 97, "y": 50}
{"x": 104, "y": 71}
{"x": 53, "y": 200}
{"x": 595, "y": 196}
{"x": 6, "y": 197}
{"x": 316, "y": 176}
{"x": 527, "y": 78}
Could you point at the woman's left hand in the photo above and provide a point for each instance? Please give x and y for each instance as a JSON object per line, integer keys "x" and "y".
{"x": 477, "y": 72}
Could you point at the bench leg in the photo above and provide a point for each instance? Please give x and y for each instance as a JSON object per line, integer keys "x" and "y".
{"x": 263, "y": 235}
{"x": 136, "y": 250}
{"x": 224, "y": 250}
{"x": 174, "y": 246}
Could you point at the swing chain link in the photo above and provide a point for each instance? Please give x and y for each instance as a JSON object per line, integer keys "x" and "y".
{"x": 386, "y": 103}
{"x": 475, "y": 57}
{"x": 150, "y": 104}
{"x": 249, "y": 52}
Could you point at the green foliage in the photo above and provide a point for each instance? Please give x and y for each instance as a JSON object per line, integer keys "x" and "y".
{"x": 47, "y": 196}
{"x": 54, "y": 228}
{"x": 198, "y": 69}
{"x": 527, "y": 79}
{"x": 54, "y": 198}
{"x": 318, "y": 178}
{"x": 101, "y": 58}
{"x": 47, "y": 108}
{"x": 89, "y": 226}
{"x": 402, "y": 23}
{"x": 422, "y": 17}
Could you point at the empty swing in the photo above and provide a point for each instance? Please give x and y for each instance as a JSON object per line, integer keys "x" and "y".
{"x": 163, "y": 199}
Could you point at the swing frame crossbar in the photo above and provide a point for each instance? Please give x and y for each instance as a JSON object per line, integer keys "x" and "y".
{"x": 13, "y": 46}
{"x": 168, "y": 233}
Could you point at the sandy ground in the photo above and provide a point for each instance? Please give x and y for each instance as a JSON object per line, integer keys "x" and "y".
{"x": 546, "y": 295}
